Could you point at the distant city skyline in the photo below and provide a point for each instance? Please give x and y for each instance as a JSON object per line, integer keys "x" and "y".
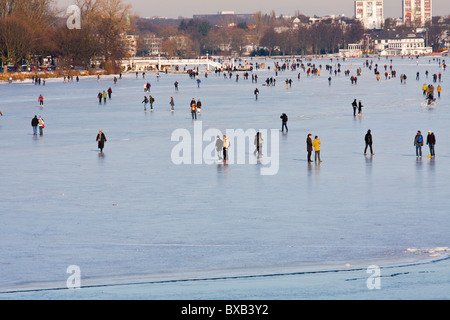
{"x": 186, "y": 9}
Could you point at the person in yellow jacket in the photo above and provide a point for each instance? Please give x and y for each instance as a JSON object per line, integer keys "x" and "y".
{"x": 316, "y": 145}
{"x": 439, "y": 88}
{"x": 424, "y": 89}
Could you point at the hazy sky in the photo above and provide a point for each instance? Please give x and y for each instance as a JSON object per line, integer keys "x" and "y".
{"x": 187, "y": 8}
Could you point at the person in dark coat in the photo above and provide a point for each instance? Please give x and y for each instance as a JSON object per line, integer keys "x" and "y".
{"x": 418, "y": 143}
{"x": 360, "y": 106}
{"x": 309, "y": 147}
{"x": 34, "y": 124}
{"x": 258, "y": 144}
{"x": 354, "y": 105}
{"x": 101, "y": 139}
{"x": 368, "y": 139}
{"x": 284, "y": 120}
{"x": 431, "y": 141}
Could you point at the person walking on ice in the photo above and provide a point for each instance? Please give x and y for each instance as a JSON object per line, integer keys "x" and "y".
{"x": 256, "y": 93}
{"x": 368, "y": 140}
{"x": 101, "y": 139}
{"x": 284, "y": 120}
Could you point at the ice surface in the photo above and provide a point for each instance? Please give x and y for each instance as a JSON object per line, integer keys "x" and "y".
{"x": 131, "y": 212}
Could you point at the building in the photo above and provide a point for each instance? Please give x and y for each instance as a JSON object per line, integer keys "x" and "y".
{"x": 131, "y": 44}
{"x": 371, "y": 13}
{"x": 153, "y": 45}
{"x": 410, "y": 46}
{"x": 417, "y": 12}
{"x": 354, "y": 50}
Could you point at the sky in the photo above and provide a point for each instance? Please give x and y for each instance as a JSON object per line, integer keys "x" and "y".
{"x": 187, "y": 8}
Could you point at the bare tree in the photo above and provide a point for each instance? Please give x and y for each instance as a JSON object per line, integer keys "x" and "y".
{"x": 15, "y": 39}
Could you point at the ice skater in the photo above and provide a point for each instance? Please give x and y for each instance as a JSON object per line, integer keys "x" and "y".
{"x": 256, "y": 93}
{"x": 41, "y": 100}
{"x": 101, "y": 139}
{"x": 145, "y": 102}
{"x": 151, "y": 100}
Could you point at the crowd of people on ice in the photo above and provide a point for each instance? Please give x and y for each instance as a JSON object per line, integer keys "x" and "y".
{"x": 309, "y": 69}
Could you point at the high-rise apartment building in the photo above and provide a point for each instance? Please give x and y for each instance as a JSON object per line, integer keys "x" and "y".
{"x": 370, "y": 13}
{"x": 417, "y": 12}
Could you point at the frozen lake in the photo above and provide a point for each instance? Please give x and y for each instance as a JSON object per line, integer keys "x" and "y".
{"x": 131, "y": 214}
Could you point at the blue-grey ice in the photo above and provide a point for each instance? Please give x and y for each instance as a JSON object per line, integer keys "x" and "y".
{"x": 131, "y": 215}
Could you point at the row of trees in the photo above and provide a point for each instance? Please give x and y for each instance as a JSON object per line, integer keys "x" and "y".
{"x": 32, "y": 29}
{"x": 269, "y": 34}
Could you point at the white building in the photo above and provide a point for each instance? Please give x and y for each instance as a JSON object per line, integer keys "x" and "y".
{"x": 402, "y": 47}
{"x": 371, "y": 13}
{"x": 354, "y": 50}
{"x": 153, "y": 45}
{"x": 131, "y": 43}
{"x": 417, "y": 12}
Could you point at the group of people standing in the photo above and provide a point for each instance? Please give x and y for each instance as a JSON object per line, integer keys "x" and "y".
{"x": 313, "y": 144}
{"x": 38, "y": 122}
{"x": 419, "y": 142}
{"x": 195, "y": 108}
{"x": 357, "y": 106}
{"x": 222, "y": 148}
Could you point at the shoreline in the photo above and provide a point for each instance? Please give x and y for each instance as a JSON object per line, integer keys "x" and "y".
{"x": 243, "y": 273}
{"x": 22, "y": 76}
